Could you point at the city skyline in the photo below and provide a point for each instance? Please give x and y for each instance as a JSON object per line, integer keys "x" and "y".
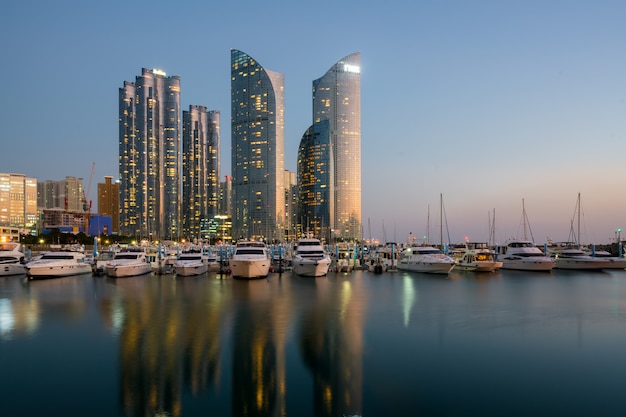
{"x": 486, "y": 104}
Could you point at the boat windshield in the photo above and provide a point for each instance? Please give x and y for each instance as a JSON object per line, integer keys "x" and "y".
{"x": 127, "y": 255}
{"x": 57, "y": 256}
{"x": 249, "y": 251}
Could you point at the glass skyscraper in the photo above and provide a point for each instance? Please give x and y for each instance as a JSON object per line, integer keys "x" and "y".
{"x": 330, "y": 193}
{"x": 201, "y": 170}
{"x": 315, "y": 176}
{"x": 258, "y": 156}
{"x": 149, "y": 156}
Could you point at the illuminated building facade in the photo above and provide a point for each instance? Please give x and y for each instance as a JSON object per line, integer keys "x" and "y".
{"x": 18, "y": 201}
{"x": 200, "y": 169}
{"x": 258, "y": 157}
{"x": 109, "y": 202}
{"x": 149, "y": 156}
{"x": 315, "y": 176}
{"x": 331, "y": 192}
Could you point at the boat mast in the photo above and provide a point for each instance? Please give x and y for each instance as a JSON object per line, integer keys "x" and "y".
{"x": 441, "y": 220}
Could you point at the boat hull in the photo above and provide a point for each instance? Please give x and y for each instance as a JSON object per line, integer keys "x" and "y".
{"x": 310, "y": 267}
{"x": 581, "y": 264}
{"x": 126, "y": 270}
{"x": 12, "y": 269}
{"x": 190, "y": 270}
{"x": 249, "y": 268}
{"x": 528, "y": 265}
{"x": 51, "y": 271}
{"x": 426, "y": 267}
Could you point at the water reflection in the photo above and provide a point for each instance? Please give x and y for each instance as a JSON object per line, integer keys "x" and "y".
{"x": 342, "y": 345}
{"x": 331, "y": 343}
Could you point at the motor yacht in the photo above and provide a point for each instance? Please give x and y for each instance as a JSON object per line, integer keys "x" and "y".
{"x": 191, "y": 263}
{"x": 309, "y": 258}
{"x": 250, "y": 260}
{"x": 570, "y": 256}
{"x": 11, "y": 259}
{"x": 523, "y": 255}
{"x": 58, "y": 264}
{"x": 427, "y": 259}
{"x": 100, "y": 261}
{"x": 128, "y": 263}
{"x": 479, "y": 258}
{"x": 614, "y": 262}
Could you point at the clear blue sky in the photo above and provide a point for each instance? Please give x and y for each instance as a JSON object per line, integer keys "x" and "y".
{"x": 484, "y": 102}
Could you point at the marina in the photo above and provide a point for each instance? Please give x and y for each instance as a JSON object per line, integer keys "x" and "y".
{"x": 508, "y": 342}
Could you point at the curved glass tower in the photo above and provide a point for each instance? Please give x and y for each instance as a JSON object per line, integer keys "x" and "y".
{"x": 258, "y": 156}
{"x": 315, "y": 174}
{"x": 337, "y": 102}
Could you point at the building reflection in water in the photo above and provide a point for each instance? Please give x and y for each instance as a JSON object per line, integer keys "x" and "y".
{"x": 171, "y": 340}
{"x": 331, "y": 343}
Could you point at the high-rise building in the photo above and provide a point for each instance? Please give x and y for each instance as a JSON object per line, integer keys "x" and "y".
{"x": 66, "y": 194}
{"x": 109, "y": 202}
{"x": 258, "y": 156}
{"x": 329, "y": 158}
{"x": 201, "y": 170}
{"x": 18, "y": 201}
{"x": 149, "y": 156}
{"x": 315, "y": 179}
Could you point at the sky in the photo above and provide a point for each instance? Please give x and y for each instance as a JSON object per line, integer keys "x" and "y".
{"x": 486, "y": 106}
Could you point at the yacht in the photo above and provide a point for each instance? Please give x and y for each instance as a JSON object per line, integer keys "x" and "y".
{"x": 614, "y": 262}
{"x": 11, "y": 259}
{"x": 128, "y": 263}
{"x": 58, "y": 264}
{"x": 99, "y": 262}
{"x": 250, "y": 260}
{"x": 425, "y": 259}
{"x": 479, "y": 258}
{"x": 524, "y": 255}
{"x": 191, "y": 263}
{"x": 570, "y": 256}
{"x": 309, "y": 258}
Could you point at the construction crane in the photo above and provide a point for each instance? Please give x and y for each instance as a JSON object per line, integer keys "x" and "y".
{"x": 87, "y": 203}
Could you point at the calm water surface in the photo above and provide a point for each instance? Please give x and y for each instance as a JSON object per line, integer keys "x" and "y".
{"x": 398, "y": 344}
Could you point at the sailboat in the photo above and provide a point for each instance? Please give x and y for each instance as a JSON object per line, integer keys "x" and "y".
{"x": 523, "y": 254}
{"x": 569, "y": 255}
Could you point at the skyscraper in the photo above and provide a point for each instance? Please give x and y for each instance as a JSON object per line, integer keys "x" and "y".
{"x": 201, "y": 170}
{"x": 149, "y": 156}
{"x": 258, "y": 156}
{"x": 329, "y": 159}
{"x": 315, "y": 176}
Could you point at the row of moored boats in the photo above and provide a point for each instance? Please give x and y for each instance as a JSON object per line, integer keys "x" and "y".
{"x": 308, "y": 257}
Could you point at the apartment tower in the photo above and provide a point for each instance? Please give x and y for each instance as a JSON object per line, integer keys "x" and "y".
{"x": 258, "y": 157}
{"x": 149, "y": 156}
{"x": 201, "y": 170}
{"x": 329, "y": 156}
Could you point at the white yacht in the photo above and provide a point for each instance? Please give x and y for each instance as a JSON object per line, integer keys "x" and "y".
{"x": 128, "y": 263}
{"x": 191, "y": 263}
{"x": 569, "y": 256}
{"x": 99, "y": 262}
{"x": 523, "y": 255}
{"x": 479, "y": 258}
{"x": 614, "y": 262}
{"x": 11, "y": 259}
{"x": 309, "y": 258}
{"x": 58, "y": 264}
{"x": 250, "y": 260}
{"x": 425, "y": 259}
